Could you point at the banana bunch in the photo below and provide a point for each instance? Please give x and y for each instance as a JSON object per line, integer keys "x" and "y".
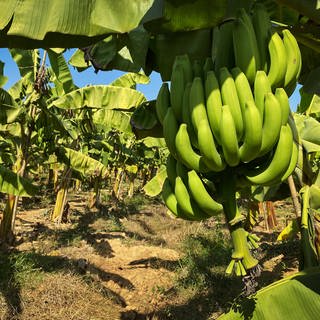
{"x": 222, "y": 121}
{"x": 227, "y": 122}
{"x": 251, "y": 43}
{"x": 186, "y": 195}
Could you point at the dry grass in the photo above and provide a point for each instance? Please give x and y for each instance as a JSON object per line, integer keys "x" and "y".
{"x": 62, "y": 296}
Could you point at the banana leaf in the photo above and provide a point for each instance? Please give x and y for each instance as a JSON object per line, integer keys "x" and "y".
{"x": 106, "y": 119}
{"x": 81, "y": 163}
{"x": 296, "y": 297}
{"x": 11, "y": 183}
{"x": 9, "y": 110}
{"x": 154, "y": 186}
{"x": 309, "y": 132}
{"x": 67, "y": 23}
{"x": 3, "y": 79}
{"x": 130, "y": 80}
{"x": 63, "y": 78}
{"x": 100, "y": 96}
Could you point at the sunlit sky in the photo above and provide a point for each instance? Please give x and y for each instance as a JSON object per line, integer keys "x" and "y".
{"x": 103, "y": 77}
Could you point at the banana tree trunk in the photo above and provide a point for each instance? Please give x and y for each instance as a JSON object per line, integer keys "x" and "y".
{"x": 117, "y": 183}
{"x": 94, "y": 198}
{"x": 9, "y": 214}
{"x": 7, "y": 223}
{"x": 59, "y": 207}
{"x": 131, "y": 184}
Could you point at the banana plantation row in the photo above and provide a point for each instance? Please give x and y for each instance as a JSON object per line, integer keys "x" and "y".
{"x": 55, "y": 132}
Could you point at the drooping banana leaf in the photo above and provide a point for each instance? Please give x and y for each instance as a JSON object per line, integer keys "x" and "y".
{"x": 125, "y": 52}
{"x": 106, "y": 119}
{"x": 165, "y": 47}
{"x": 67, "y": 23}
{"x": 80, "y": 162}
{"x": 154, "y": 186}
{"x": 63, "y": 78}
{"x": 11, "y": 183}
{"x": 100, "y": 96}
{"x": 309, "y": 132}
{"x": 295, "y": 298}
{"x": 188, "y": 15}
{"x": 130, "y": 80}
{"x": 144, "y": 121}
{"x": 9, "y": 110}
{"x": 24, "y": 60}
{"x": 154, "y": 142}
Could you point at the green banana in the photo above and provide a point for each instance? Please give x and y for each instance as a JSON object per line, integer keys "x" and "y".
{"x": 176, "y": 90}
{"x": 197, "y": 103}
{"x": 283, "y": 99}
{"x": 223, "y": 46}
{"x": 243, "y": 15}
{"x": 208, "y": 148}
{"x": 186, "y": 65}
{"x": 228, "y": 135}
{"x": 170, "y": 129}
{"x": 253, "y": 133}
{"x": 261, "y": 87}
{"x": 201, "y": 196}
{"x": 271, "y": 123}
{"x": 181, "y": 171}
{"x": 186, "y": 116}
{"x": 185, "y": 152}
{"x": 168, "y": 197}
{"x": 278, "y": 61}
{"x": 262, "y": 25}
{"x": 230, "y": 97}
{"x": 197, "y": 69}
{"x": 213, "y": 103}
{"x": 186, "y": 203}
{"x": 270, "y": 173}
{"x": 208, "y": 65}
{"x": 244, "y": 49}
{"x": 293, "y": 61}
{"x": 163, "y": 102}
{"x": 243, "y": 88}
{"x": 171, "y": 169}
{"x": 293, "y": 161}
{"x": 171, "y": 202}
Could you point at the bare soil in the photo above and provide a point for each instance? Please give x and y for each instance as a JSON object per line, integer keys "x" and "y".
{"x": 121, "y": 262}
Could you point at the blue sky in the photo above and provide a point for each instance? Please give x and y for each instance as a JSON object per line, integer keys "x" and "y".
{"x": 104, "y": 77}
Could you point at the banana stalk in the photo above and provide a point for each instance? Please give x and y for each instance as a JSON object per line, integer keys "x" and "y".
{"x": 59, "y": 206}
{"x": 241, "y": 252}
{"x": 309, "y": 255}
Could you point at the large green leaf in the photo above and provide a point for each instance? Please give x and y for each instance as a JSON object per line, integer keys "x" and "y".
{"x": 165, "y": 47}
{"x": 9, "y": 110}
{"x": 107, "y": 119}
{"x": 188, "y": 15}
{"x": 67, "y": 23}
{"x": 153, "y": 187}
{"x": 126, "y": 52}
{"x": 24, "y": 60}
{"x": 295, "y": 298}
{"x": 11, "y": 183}
{"x": 144, "y": 121}
{"x": 60, "y": 69}
{"x": 100, "y": 96}
{"x": 130, "y": 80}
{"x": 309, "y": 132}
{"x": 80, "y": 162}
